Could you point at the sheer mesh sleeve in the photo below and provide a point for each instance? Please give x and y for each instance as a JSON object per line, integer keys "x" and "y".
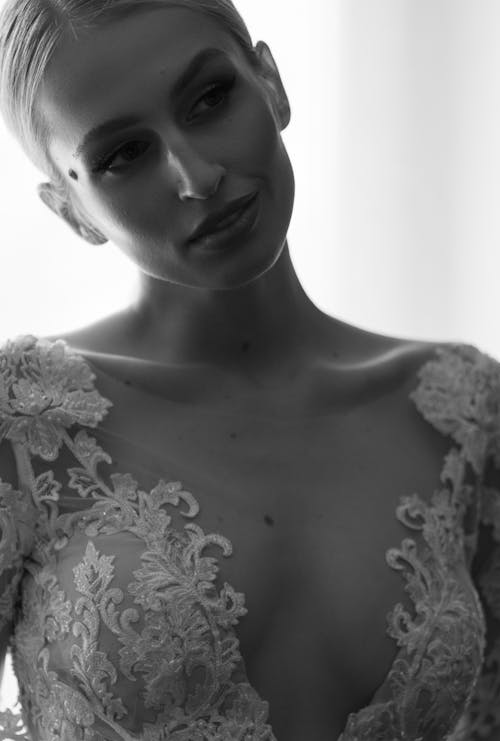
{"x": 460, "y": 396}
{"x": 14, "y": 514}
{"x": 485, "y": 570}
{"x": 483, "y": 420}
{"x": 16, "y": 535}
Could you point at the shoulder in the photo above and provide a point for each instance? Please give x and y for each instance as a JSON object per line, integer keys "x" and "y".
{"x": 441, "y": 375}
{"x": 39, "y": 364}
{"x": 457, "y": 380}
{"x": 386, "y": 364}
{"x": 378, "y": 354}
{"x": 453, "y": 386}
{"x": 110, "y": 335}
{"x": 458, "y": 393}
{"x": 45, "y": 387}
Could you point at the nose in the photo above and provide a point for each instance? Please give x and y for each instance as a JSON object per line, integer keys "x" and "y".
{"x": 194, "y": 176}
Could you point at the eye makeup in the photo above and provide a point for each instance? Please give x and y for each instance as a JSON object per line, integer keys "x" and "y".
{"x": 220, "y": 87}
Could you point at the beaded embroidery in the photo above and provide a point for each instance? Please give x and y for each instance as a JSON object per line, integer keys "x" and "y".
{"x": 167, "y": 636}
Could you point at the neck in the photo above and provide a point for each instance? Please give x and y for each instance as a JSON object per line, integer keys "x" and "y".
{"x": 256, "y": 327}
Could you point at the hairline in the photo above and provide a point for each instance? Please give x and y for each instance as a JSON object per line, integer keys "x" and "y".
{"x": 113, "y": 13}
{"x": 31, "y": 129}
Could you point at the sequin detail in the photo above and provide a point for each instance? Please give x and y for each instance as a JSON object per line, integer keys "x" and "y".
{"x": 145, "y": 648}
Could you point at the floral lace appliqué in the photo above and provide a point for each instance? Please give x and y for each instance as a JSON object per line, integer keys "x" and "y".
{"x": 78, "y": 651}
{"x": 154, "y": 656}
{"x": 441, "y": 646}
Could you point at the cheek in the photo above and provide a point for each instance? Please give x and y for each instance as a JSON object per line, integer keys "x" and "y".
{"x": 265, "y": 153}
{"x": 247, "y": 140}
{"x": 128, "y": 219}
{"x": 257, "y": 134}
{"x": 130, "y": 210}
{"x": 248, "y": 144}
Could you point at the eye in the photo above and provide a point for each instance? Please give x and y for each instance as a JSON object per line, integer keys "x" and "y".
{"x": 216, "y": 92}
{"x": 213, "y": 96}
{"x": 103, "y": 164}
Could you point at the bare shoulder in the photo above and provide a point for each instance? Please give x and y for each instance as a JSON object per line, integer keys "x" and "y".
{"x": 351, "y": 365}
{"x": 96, "y": 337}
{"x": 377, "y": 354}
{"x": 391, "y": 374}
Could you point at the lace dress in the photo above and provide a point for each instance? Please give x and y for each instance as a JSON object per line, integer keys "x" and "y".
{"x": 86, "y": 629}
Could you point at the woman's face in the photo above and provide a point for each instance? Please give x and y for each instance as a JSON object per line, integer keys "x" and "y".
{"x": 191, "y": 149}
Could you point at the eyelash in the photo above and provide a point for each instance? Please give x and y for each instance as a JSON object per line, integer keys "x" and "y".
{"x": 101, "y": 164}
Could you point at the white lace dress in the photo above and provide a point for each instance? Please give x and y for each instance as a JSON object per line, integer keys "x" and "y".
{"x": 120, "y": 628}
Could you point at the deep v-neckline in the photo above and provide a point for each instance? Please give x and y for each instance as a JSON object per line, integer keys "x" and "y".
{"x": 409, "y": 510}
{"x": 431, "y": 689}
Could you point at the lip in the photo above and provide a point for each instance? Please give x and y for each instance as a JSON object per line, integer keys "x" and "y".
{"x": 215, "y": 222}
{"x": 234, "y": 233}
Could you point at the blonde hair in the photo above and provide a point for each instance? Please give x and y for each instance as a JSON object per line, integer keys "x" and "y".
{"x": 30, "y": 31}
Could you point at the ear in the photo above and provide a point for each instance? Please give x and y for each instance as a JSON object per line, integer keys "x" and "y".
{"x": 60, "y": 205}
{"x": 270, "y": 75}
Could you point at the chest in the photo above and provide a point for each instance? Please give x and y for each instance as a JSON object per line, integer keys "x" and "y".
{"x": 310, "y": 509}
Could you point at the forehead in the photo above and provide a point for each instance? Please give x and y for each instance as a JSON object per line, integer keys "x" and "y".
{"x": 119, "y": 65}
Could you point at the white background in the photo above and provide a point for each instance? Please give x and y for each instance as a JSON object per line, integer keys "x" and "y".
{"x": 395, "y": 144}
{"x": 394, "y": 139}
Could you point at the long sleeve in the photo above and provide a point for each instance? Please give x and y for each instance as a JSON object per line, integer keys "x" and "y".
{"x": 485, "y": 570}
{"x": 459, "y": 395}
{"x": 16, "y": 537}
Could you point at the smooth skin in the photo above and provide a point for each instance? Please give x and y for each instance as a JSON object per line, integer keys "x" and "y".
{"x": 241, "y": 311}
{"x": 298, "y": 417}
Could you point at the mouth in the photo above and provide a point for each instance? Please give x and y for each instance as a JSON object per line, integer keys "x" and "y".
{"x": 214, "y": 222}
{"x": 237, "y": 223}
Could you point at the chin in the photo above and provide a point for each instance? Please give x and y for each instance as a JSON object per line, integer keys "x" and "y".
{"x": 256, "y": 266}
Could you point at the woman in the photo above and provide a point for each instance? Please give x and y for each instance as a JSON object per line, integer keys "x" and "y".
{"x": 237, "y": 551}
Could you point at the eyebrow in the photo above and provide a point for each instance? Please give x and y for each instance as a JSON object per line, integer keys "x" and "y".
{"x": 114, "y": 124}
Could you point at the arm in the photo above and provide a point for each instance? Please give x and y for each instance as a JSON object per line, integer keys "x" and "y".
{"x": 485, "y": 571}
{"x": 459, "y": 394}
{"x": 15, "y": 537}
